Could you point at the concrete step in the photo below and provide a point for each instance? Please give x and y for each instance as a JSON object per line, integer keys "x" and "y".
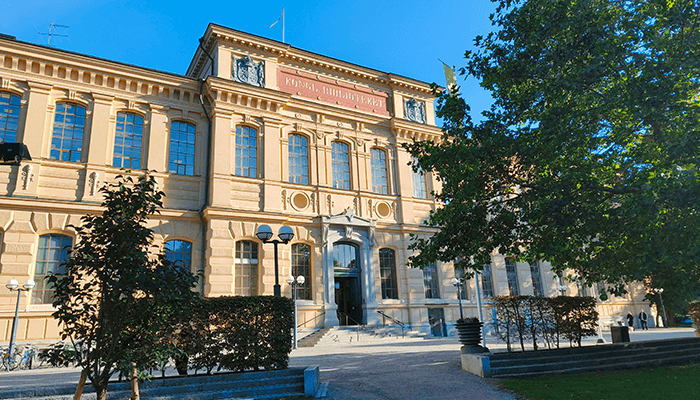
{"x": 595, "y": 358}
{"x": 252, "y": 385}
{"x": 312, "y": 339}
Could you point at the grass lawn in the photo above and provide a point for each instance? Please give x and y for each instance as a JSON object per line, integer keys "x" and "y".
{"x": 652, "y": 383}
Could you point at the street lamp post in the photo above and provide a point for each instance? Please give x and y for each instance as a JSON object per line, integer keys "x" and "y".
{"x": 663, "y": 309}
{"x": 285, "y": 234}
{"x": 295, "y": 283}
{"x": 458, "y": 283}
{"x": 13, "y": 285}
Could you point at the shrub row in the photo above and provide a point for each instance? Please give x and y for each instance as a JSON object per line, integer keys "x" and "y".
{"x": 521, "y": 318}
{"x": 234, "y": 333}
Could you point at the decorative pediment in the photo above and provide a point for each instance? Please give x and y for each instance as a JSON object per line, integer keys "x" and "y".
{"x": 348, "y": 218}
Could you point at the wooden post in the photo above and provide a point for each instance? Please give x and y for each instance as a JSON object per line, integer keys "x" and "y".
{"x": 81, "y": 386}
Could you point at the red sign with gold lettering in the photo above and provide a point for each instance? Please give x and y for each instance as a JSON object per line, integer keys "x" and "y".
{"x": 331, "y": 91}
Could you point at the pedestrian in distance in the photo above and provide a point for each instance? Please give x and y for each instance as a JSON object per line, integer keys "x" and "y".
{"x": 643, "y": 320}
{"x": 630, "y": 320}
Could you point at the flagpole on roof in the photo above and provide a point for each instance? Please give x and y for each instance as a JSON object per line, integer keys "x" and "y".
{"x": 278, "y": 20}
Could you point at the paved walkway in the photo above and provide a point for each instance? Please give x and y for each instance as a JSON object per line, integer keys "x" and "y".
{"x": 373, "y": 368}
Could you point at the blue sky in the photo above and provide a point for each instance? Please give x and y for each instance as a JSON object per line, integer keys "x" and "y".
{"x": 402, "y": 37}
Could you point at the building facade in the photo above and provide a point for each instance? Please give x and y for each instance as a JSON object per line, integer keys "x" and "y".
{"x": 256, "y": 132}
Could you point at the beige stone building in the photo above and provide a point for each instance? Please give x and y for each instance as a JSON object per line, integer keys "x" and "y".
{"x": 255, "y": 132}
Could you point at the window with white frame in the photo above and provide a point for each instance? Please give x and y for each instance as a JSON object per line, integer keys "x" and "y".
{"x": 52, "y": 252}
{"x": 420, "y": 183}
{"x": 298, "y": 159}
{"x": 127, "y": 141}
{"x": 431, "y": 281}
{"x": 536, "y": 275}
{"x": 182, "y": 138}
{"x": 487, "y": 282}
{"x": 380, "y": 181}
{"x": 246, "y": 268}
{"x": 341, "y": 165}
{"x": 246, "y": 152}
{"x": 68, "y": 130}
{"x": 301, "y": 265}
{"x": 387, "y": 271}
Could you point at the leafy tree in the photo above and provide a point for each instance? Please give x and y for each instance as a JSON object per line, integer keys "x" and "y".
{"x": 117, "y": 296}
{"x": 588, "y": 157}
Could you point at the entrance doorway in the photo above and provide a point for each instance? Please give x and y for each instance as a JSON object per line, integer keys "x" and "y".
{"x": 349, "y": 300}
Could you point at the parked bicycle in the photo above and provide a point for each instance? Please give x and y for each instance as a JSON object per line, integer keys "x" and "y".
{"x": 23, "y": 358}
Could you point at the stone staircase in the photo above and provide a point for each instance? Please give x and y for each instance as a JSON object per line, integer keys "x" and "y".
{"x": 603, "y": 357}
{"x": 313, "y": 338}
{"x": 249, "y": 385}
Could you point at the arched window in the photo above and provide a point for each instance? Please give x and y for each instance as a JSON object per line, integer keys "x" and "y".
{"x": 380, "y": 183}
{"x": 246, "y": 152}
{"x": 431, "y": 282}
{"x": 9, "y": 117}
{"x": 246, "y": 269}
{"x": 182, "y": 136}
{"x": 387, "y": 270}
{"x": 53, "y": 250}
{"x": 341, "y": 165}
{"x": 298, "y": 159}
{"x": 301, "y": 265}
{"x": 179, "y": 252}
{"x": 127, "y": 141}
{"x": 420, "y": 187}
{"x": 68, "y": 129}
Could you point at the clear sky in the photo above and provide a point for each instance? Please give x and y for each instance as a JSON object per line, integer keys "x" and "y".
{"x": 403, "y": 37}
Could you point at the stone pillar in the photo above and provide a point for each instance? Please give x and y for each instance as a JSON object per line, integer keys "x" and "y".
{"x": 158, "y": 139}
{"x": 271, "y": 165}
{"x": 221, "y": 159}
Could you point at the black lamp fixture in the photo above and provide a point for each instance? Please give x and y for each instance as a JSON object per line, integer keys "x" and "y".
{"x": 13, "y": 153}
{"x": 264, "y": 233}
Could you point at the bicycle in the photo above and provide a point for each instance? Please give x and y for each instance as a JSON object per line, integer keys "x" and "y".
{"x": 7, "y": 362}
{"x": 27, "y": 359}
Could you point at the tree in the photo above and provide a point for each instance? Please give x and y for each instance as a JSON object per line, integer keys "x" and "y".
{"x": 116, "y": 296}
{"x": 588, "y": 157}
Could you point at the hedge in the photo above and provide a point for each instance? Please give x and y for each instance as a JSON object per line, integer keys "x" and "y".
{"x": 235, "y": 333}
{"x": 521, "y": 318}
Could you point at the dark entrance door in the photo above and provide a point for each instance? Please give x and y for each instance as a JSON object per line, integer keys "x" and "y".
{"x": 348, "y": 299}
{"x": 436, "y": 318}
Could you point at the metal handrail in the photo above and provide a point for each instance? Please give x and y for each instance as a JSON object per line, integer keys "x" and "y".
{"x": 394, "y": 320}
{"x": 311, "y": 319}
{"x": 351, "y": 319}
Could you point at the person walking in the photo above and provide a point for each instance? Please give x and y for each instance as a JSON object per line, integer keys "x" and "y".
{"x": 643, "y": 320}
{"x": 630, "y": 320}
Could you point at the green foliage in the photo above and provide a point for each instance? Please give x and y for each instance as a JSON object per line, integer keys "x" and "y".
{"x": 117, "y": 295}
{"x": 237, "y": 333}
{"x": 544, "y": 319}
{"x": 694, "y": 311}
{"x": 589, "y": 156}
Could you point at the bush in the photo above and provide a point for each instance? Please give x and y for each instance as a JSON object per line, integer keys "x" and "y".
{"x": 236, "y": 333}
{"x": 547, "y": 319}
{"x": 694, "y": 311}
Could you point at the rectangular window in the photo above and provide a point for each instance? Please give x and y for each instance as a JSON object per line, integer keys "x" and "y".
{"x": 298, "y": 159}
{"x": 431, "y": 282}
{"x": 536, "y": 279}
{"x": 487, "y": 282}
{"x": 379, "y": 172}
{"x": 246, "y": 152}
{"x": 53, "y": 251}
{"x": 387, "y": 270}
{"x": 68, "y": 129}
{"x": 246, "y": 268}
{"x": 9, "y": 117}
{"x": 341, "y": 165}
{"x": 127, "y": 141}
{"x": 420, "y": 190}
{"x": 512, "y": 272}
{"x": 182, "y": 137}
{"x": 301, "y": 255}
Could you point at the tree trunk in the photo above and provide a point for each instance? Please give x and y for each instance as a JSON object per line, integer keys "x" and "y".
{"x": 81, "y": 385}
{"x": 135, "y": 395}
